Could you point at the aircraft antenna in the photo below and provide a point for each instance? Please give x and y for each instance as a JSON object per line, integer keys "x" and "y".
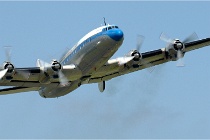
{"x": 104, "y": 21}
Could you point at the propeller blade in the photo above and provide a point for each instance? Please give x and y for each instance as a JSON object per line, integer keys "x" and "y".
{"x": 8, "y": 50}
{"x": 62, "y": 79}
{"x": 190, "y": 38}
{"x": 139, "y": 42}
{"x": 180, "y": 62}
{"x": 150, "y": 69}
{"x": 165, "y": 38}
{"x": 2, "y": 73}
{"x": 42, "y": 64}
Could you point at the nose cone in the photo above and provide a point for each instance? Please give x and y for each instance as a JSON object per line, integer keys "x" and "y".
{"x": 116, "y": 34}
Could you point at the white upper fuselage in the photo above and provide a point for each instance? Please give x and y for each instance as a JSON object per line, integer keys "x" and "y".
{"x": 116, "y": 34}
{"x": 96, "y": 46}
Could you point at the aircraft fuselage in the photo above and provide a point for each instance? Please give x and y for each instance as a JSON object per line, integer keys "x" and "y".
{"x": 89, "y": 54}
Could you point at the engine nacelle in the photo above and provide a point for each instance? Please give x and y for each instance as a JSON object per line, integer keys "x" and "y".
{"x": 137, "y": 55}
{"x": 50, "y": 72}
{"x": 172, "y": 49}
{"x": 56, "y": 66}
{"x": 178, "y": 45}
{"x": 10, "y": 70}
{"x": 9, "y": 66}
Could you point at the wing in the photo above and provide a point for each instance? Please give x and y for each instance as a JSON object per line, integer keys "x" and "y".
{"x": 197, "y": 44}
{"x": 22, "y": 80}
{"x": 21, "y": 77}
{"x": 113, "y": 68}
{"x": 32, "y": 79}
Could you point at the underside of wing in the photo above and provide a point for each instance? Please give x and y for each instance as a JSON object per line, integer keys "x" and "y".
{"x": 13, "y": 90}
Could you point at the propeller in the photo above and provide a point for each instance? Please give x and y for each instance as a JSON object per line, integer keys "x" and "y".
{"x": 178, "y": 45}
{"x": 135, "y": 54}
{"x": 2, "y": 73}
{"x": 10, "y": 66}
{"x": 190, "y": 38}
{"x": 62, "y": 79}
{"x": 56, "y": 66}
{"x": 165, "y": 38}
{"x": 139, "y": 42}
{"x": 180, "y": 61}
{"x": 42, "y": 64}
{"x": 7, "y": 66}
{"x": 8, "y": 50}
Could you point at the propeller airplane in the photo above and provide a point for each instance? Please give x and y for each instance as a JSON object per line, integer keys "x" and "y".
{"x": 89, "y": 62}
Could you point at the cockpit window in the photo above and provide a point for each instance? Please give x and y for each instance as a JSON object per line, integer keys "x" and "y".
{"x": 110, "y": 27}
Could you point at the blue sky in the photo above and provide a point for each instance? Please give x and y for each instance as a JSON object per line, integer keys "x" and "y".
{"x": 170, "y": 102}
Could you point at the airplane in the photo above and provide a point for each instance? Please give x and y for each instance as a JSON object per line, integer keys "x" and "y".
{"x": 89, "y": 62}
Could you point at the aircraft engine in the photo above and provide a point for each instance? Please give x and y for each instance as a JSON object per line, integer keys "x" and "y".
{"x": 176, "y": 50}
{"x": 56, "y": 66}
{"x": 51, "y": 71}
{"x": 9, "y": 66}
{"x": 8, "y": 71}
{"x": 136, "y": 54}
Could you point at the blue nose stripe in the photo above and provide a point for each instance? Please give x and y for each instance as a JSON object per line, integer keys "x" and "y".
{"x": 115, "y": 34}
